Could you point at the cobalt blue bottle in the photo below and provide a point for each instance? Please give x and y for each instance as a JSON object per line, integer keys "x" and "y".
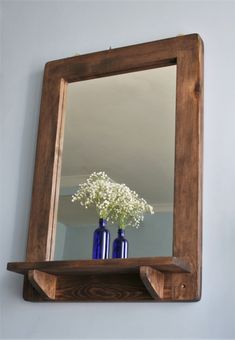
{"x": 101, "y": 241}
{"x": 120, "y": 246}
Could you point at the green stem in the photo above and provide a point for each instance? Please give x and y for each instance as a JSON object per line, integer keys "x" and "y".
{"x": 122, "y": 227}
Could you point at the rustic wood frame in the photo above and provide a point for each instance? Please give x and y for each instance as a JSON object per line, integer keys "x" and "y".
{"x": 163, "y": 279}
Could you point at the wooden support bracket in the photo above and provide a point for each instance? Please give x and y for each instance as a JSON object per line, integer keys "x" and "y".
{"x": 135, "y": 279}
{"x": 44, "y": 283}
{"x": 153, "y": 281}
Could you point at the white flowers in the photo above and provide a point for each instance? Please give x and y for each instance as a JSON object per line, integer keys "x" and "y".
{"x": 114, "y": 202}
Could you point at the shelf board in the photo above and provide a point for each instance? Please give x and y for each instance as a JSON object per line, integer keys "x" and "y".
{"x": 133, "y": 279}
{"x": 119, "y": 266}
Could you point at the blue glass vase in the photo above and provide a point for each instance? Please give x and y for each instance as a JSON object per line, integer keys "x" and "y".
{"x": 120, "y": 246}
{"x": 101, "y": 241}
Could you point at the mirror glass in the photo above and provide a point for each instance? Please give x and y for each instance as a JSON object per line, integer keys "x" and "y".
{"x": 123, "y": 125}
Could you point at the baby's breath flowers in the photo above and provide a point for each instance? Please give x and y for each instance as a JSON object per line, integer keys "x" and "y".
{"x": 128, "y": 209}
{"x": 97, "y": 191}
{"x": 113, "y": 202}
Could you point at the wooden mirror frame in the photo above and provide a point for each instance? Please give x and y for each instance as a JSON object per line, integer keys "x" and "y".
{"x": 176, "y": 278}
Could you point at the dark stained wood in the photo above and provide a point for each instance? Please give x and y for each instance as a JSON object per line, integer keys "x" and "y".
{"x": 99, "y": 287}
{"x": 153, "y": 54}
{"x": 47, "y": 170}
{"x": 89, "y": 279}
{"x": 188, "y": 165}
{"x": 105, "y": 287}
{"x": 168, "y": 264}
{"x": 111, "y": 287}
{"x": 153, "y": 281}
{"x": 44, "y": 283}
{"x": 187, "y": 53}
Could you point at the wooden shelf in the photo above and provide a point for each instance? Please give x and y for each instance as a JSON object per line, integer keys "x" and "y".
{"x": 133, "y": 279}
{"x": 166, "y": 264}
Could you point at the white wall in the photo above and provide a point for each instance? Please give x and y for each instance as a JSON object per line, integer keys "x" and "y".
{"x": 37, "y": 31}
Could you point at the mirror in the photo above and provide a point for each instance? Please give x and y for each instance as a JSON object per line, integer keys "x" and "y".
{"x": 123, "y": 125}
{"x": 128, "y": 114}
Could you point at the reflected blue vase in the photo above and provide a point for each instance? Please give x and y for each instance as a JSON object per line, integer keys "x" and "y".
{"x": 101, "y": 241}
{"x": 120, "y": 246}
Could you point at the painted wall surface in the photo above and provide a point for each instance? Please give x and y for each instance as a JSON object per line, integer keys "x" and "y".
{"x": 34, "y": 32}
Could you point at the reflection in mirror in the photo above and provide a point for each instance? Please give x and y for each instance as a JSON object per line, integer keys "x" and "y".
{"x": 123, "y": 125}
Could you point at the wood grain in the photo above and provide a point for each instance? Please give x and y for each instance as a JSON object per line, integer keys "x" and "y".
{"x": 44, "y": 283}
{"x": 166, "y": 264}
{"x": 188, "y": 166}
{"x": 153, "y": 281}
{"x": 102, "y": 287}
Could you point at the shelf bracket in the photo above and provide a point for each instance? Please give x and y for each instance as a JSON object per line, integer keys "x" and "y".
{"x": 153, "y": 281}
{"x": 44, "y": 283}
